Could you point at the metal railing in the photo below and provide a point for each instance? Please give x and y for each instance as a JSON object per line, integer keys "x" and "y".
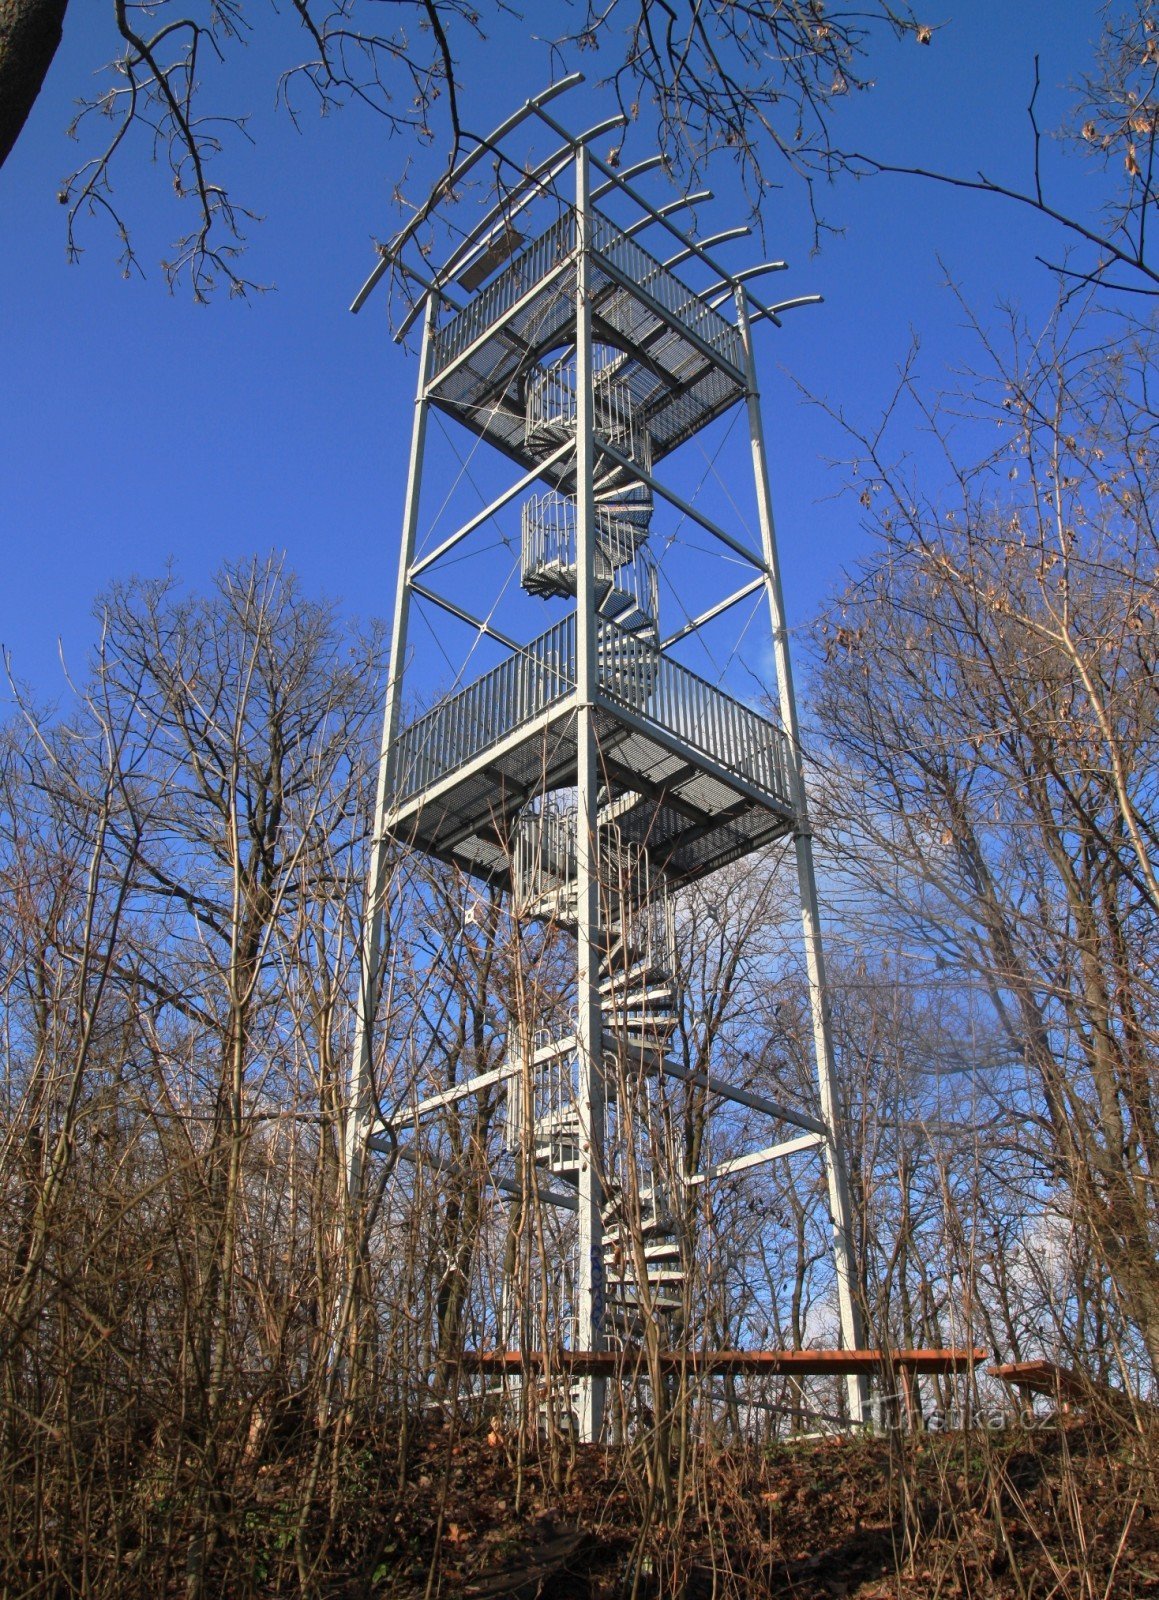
{"x": 684, "y": 304}
{"x": 554, "y": 1109}
{"x": 490, "y": 304}
{"x": 631, "y": 672}
{"x": 556, "y": 1100}
{"x": 545, "y": 254}
{"x": 544, "y": 853}
{"x": 641, "y": 677}
{"x": 544, "y": 862}
{"x": 461, "y": 727}
{"x": 624, "y": 567}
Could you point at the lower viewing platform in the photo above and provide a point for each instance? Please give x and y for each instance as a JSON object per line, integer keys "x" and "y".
{"x": 694, "y": 774}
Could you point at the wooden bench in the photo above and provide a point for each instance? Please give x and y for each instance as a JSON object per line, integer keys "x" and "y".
{"x": 1065, "y": 1386}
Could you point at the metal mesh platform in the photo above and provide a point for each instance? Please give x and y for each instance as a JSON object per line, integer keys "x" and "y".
{"x": 681, "y": 359}
{"x": 711, "y": 776}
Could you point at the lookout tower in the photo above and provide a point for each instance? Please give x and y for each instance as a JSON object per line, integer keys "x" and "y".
{"x": 589, "y": 773}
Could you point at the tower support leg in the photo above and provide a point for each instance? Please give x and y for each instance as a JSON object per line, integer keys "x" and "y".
{"x": 840, "y": 1208}
{"x": 362, "y": 1106}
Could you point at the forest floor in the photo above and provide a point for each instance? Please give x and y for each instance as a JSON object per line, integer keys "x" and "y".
{"x": 1068, "y": 1509}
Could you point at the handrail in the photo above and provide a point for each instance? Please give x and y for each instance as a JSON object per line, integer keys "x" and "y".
{"x": 457, "y": 729}
{"x": 639, "y": 676}
{"x": 553, "y": 408}
{"x": 630, "y": 260}
{"x": 622, "y": 559}
{"x": 632, "y": 672}
{"x": 542, "y": 256}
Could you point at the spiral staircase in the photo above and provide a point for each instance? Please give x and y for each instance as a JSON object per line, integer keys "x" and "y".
{"x": 626, "y": 578}
{"x": 644, "y": 1275}
{"x": 643, "y": 1270}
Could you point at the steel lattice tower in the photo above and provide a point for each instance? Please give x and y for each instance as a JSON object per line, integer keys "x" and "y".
{"x": 590, "y": 773}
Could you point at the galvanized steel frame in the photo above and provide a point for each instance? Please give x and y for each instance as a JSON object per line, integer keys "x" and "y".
{"x": 364, "y": 1124}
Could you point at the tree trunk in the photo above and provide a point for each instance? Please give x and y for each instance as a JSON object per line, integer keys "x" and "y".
{"x": 30, "y": 31}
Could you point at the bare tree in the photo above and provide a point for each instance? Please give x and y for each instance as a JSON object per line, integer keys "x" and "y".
{"x": 720, "y": 76}
{"x": 990, "y": 699}
{"x": 1113, "y": 124}
{"x": 180, "y": 1078}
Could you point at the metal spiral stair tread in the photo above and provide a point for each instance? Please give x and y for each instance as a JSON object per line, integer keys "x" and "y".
{"x": 627, "y": 582}
{"x": 638, "y": 1001}
{"x": 651, "y": 1237}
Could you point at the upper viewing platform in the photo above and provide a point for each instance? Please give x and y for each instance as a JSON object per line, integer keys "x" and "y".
{"x": 502, "y": 302}
{"x": 680, "y": 359}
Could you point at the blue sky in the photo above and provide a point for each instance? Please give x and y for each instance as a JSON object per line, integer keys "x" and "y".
{"x": 140, "y": 428}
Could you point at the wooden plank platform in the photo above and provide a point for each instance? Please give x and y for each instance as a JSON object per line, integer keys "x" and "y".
{"x": 771, "y": 1363}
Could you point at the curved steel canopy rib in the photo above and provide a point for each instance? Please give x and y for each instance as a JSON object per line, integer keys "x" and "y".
{"x": 659, "y": 214}
{"x": 448, "y": 182}
{"x": 698, "y": 250}
{"x": 474, "y": 245}
{"x": 516, "y": 199}
{"x": 744, "y": 274}
{"x": 525, "y": 191}
{"x": 781, "y": 305}
{"x": 707, "y": 244}
{"x": 636, "y": 171}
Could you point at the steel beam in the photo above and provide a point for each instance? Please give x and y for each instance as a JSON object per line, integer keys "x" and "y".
{"x": 453, "y": 610}
{"x": 743, "y": 276}
{"x": 497, "y": 327}
{"x": 781, "y": 305}
{"x": 488, "y": 512}
{"x": 639, "y": 291}
{"x": 484, "y": 1080}
{"x": 361, "y": 1102}
{"x": 374, "y": 910}
{"x": 742, "y": 1097}
{"x": 840, "y": 1206}
{"x": 695, "y": 199}
{"x": 757, "y": 1158}
{"x": 589, "y": 1019}
{"x": 697, "y": 759}
{"x": 638, "y": 170}
{"x": 713, "y": 612}
{"x": 460, "y": 1091}
{"x": 683, "y": 505}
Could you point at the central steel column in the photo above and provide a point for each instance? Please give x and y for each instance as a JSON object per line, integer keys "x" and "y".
{"x": 840, "y": 1209}
{"x": 589, "y": 1032}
